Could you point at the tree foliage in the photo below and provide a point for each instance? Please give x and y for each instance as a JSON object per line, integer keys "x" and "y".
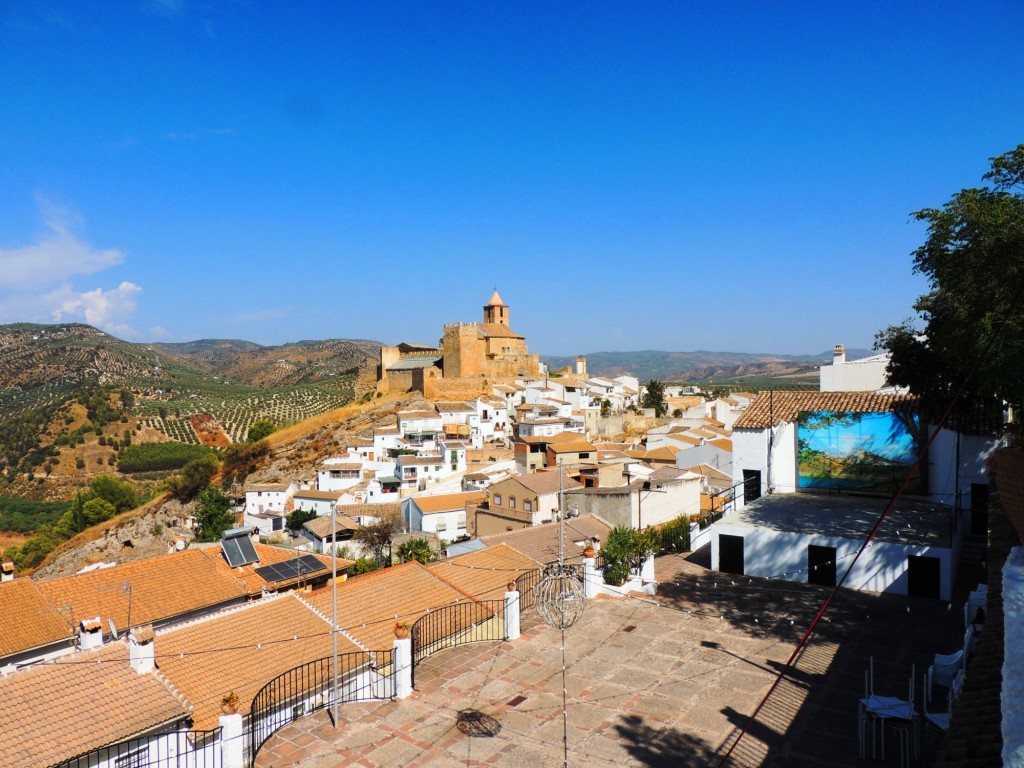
{"x": 376, "y": 536}
{"x": 296, "y": 519}
{"x": 242, "y": 459}
{"x": 154, "y": 457}
{"x": 213, "y": 514}
{"x": 260, "y": 429}
{"x": 415, "y": 549}
{"x": 973, "y": 314}
{"x": 194, "y": 477}
{"x": 654, "y": 397}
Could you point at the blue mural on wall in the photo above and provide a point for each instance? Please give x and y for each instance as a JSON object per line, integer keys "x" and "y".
{"x": 857, "y": 451}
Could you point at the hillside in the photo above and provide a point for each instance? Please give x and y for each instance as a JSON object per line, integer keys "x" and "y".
{"x": 62, "y": 390}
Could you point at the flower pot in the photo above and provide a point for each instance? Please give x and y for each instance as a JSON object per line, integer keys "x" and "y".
{"x": 402, "y": 632}
{"x": 589, "y": 552}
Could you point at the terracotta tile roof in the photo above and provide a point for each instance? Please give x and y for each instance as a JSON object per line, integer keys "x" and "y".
{"x": 772, "y": 409}
{"x": 545, "y": 482}
{"x": 369, "y": 605}
{"x": 485, "y": 573}
{"x": 370, "y": 510}
{"x": 28, "y": 618}
{"x": 321, "y": 526}
{"x": 722, "y": 443}
{"x": 454, "y": 408}
{"x": 681, "y": 438}
{"x": 54, "y": 712}
{"x": 496, "y": 331}
{"x": 420, "y": 461}
{"x": 319, "y": 495}
{"x": 267, "y": 487}
{"x": 386, "y": 431}
{"x": 242, "y": 650}
{"x": 713, "y": 422}
{"x": 573, "y": 446}
{"x": 705, "y": 470}
{"x": 446, "y": 502}
{"x": 664, "y": 453}
{"x": 268, "y": 555}
{"x": 161, "y": 588}
{"x": 328, "y": 465}
{"x": 540, "y": 542}
{"x": 405, "y": 415}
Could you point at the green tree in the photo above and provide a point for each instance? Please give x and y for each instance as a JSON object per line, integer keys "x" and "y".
{"x": 97, "y": 511}
{"x": 194, "y": 477}
{"x": 260, "y": 429}
{"x": 117, "y": 493}
{"x": 973, "y": 314}
{"x": 376, "y": 536}
{"x": 242, "y": 459}
{"x": 213, "y": 514}
{"x": 606, "y": 407}
{"x": 295, "y": 520}
{"x": 415, "y": 549}
{"x": 654, "y": 397}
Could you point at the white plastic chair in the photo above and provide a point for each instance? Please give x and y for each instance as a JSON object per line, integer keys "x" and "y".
{"x": 945, "y": 666}
{"x": 941, "y": 720}
{"x": 976, "y": 601}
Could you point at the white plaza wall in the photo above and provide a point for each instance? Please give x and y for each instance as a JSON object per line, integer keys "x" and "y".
{"x": 783, "y": 555}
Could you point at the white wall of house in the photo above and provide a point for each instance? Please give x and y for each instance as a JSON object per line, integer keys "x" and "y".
{"x": 320, "y": 506}
{"x": 338, "y": 477}
{"x": 261, "y": 501}
{"x": 864, "y": 375}
{"x": 750, "y": 451}
{"x": 783, "y": 555}
{"x": 945, "y": 474}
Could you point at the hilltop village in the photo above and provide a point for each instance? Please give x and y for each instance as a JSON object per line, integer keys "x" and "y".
{"x": 438, "y": 529}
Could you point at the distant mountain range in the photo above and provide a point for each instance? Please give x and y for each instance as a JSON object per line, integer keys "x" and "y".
{"x": 43, "y": 363}
{"x": 700, "y": 366}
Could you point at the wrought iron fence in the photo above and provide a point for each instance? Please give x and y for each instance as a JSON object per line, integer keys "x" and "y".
{"x": 457, "y": 624}
{"x": 524, "y": 585}
{"x": 196, "y": 749}
{"x": 362, "y": 676}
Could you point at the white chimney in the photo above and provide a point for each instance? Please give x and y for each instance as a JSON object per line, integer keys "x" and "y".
{"x": 142, "y": 649}
{"x": 90, "y": 634}
{"x": 581, "y": 366}
{"x": 839, "y": 355}
{"x": 7, "y": 571}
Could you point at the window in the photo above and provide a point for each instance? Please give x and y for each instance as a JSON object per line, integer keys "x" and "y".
{"x": 497, "y": 499}
{"x": 585, "y": 455}
{"x": 442, "y": 525}
{"x": 462, "y": 520}
{"x": 511, "y": 502}
{"x": 528, "y": 506}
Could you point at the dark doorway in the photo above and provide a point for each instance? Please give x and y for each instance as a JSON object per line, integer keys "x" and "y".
{"x": 979, "y": 509}
{"x": 730, "y": 554}
{"x": 923, "y": 576}
{"x": 821, "y": 565}
{"x": 751, "y": 485}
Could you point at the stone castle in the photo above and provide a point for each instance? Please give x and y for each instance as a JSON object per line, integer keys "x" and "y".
{"x": 468, "y": 359}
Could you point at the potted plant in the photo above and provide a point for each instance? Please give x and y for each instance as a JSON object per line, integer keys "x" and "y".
{"x": 229, "y": 703}
{"x": 402, "y": 630}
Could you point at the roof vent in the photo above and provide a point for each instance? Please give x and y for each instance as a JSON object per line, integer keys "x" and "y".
{"x": 7, "y": 571}
{"x": 839, "y": 355}
{"x": 90, "y": 634}
{"x": 141, "y": 649}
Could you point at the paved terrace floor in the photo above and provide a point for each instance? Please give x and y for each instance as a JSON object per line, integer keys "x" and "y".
{"x": 665, "y": 681}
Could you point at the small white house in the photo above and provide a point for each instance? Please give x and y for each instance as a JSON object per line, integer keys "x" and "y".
{"x": 319, "y": 502}
{"x": 442, "y": 514}
{"x": 269, "y": 498}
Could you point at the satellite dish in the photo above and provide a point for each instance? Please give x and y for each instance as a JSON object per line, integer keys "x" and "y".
{"x": 179, "y": 545}
{"x": 113, "y": 628}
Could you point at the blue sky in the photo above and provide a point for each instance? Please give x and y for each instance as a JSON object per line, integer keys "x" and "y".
{"x": 631, "y": 175}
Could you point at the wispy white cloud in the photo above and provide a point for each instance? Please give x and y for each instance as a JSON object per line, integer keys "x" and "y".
{"x": 36, "y": 278}
{"x": 55, "y": 255}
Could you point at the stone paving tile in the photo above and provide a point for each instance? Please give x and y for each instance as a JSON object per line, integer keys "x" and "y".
{"x": 673, "y": 691}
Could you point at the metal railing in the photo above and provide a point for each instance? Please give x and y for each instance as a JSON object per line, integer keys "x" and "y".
{"x": 362, "y": 676}
{"x": 196, "y": 749}
{"x": 457, "y": 624}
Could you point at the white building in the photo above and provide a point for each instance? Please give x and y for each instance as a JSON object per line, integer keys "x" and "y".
{"x": 442, "y": 514}
{"x": 868, "y": 374}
